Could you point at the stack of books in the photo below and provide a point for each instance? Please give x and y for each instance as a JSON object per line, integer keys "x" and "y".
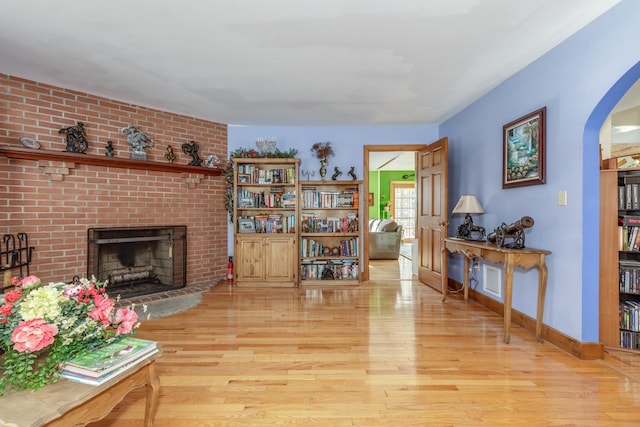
{"x": 104, "y": 363}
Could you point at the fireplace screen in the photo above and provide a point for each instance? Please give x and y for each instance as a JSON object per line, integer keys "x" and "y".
{"x": 138, "y": 261}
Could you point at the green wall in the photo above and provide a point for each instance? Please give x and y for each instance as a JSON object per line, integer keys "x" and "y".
{"x": 379, "y": 185}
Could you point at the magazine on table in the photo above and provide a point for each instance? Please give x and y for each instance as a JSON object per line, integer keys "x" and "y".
{"x": 111, "y": 356}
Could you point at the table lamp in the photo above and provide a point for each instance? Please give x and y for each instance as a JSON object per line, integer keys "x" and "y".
{"x": 469, "y": 204}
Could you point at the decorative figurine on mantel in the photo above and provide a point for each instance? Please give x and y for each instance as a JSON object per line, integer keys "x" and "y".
{"x": 212, "y": 161}
{"x": 336, "y": 174}
{"x": 109, "y": 148}
{"x": 191, "y": 148}
{"x": 169, "y": 154}
{"x": 352, "y": 173}
{"x": 138, "y": 140}
{"x": 76, "y": 138}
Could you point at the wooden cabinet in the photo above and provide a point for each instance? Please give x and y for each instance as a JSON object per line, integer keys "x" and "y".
{"x": 265, "y": 221}
{"x": 620, "y": 259}
{"x": 330, "y": 232}
{"x": 265, "y": 260}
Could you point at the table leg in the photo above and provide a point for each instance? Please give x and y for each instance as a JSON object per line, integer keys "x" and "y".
{"x": 465, "y": 282}
{"x": 443, "y": 273}
{"x": 153, "y": 392}
{"x": 542, "y": 290}
{"x": 508, "y": 294}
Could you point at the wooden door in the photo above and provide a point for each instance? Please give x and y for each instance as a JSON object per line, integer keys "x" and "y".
{"x": 432, "y": 183}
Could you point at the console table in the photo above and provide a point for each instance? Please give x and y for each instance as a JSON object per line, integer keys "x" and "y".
{"x": 67, "y": 403}
{"x": 525, "y": 258}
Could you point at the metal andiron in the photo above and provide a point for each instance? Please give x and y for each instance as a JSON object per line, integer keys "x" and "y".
{"x": 513, "y": 231}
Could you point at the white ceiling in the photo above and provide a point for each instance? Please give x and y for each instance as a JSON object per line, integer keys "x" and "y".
{"x": 391, "y": 161}
{"x": 286, "y": 62}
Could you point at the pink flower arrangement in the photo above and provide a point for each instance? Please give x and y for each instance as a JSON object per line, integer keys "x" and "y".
{"x": 41, "y": 326}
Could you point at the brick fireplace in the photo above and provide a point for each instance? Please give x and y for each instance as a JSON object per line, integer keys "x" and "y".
{"x": 57, "y": 200}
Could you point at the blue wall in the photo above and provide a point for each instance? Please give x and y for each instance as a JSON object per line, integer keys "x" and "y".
{"x": 579, "y": 81}
{"x": 571, "y": 80}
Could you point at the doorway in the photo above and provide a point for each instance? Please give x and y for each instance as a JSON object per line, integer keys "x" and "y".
{"x": 368, "y": 166}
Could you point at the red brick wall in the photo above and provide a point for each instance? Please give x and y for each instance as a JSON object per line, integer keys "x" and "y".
{"x": 55, "y": 210}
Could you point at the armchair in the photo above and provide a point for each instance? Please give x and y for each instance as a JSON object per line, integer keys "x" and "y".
{"x": 385, "y": 238}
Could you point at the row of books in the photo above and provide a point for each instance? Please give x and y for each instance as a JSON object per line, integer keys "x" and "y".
{"x": 329, "y": 270}
{"x": 314, "y": 248}
{"x": 266, "y": 223}
{"x": 629, "y": 193}
{"x": 252, "y": 174}
{"x": 102, "y": 364}
{"x": 629, "y": 339}
{"x": 629, "y": 276}
{"x": 348, "y": 198}
{"x": 275, "y": 199}
{"x": 630, "y": 315}
{"x": 314, "y": 224}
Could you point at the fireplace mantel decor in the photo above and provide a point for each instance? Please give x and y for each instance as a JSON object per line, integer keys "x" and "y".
{"x": 89, "y": 159}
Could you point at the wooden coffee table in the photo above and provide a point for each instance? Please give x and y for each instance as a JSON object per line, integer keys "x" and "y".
{"x": 67, "y": 403}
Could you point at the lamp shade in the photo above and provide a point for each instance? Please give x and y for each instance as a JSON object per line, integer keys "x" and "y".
{"x": 468, "y": 203}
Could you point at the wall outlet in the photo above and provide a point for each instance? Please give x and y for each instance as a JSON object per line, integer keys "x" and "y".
{"x": 562, "y": 198}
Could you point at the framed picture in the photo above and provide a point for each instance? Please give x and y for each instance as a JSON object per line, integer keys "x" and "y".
{"x": 246, "y": 225}
{"x": 246, "y": 202}
{"x": 370, "y": 199}
{"x": 523, "y": 150}
{"x": 243, "y": 178}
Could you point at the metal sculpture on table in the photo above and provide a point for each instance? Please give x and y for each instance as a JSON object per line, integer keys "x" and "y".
{"x": 469, "y": 231}
{"x": 138, "y": 140}
{"x": 76, "y": 138}
{"x": 513, "y": 231}
{"x": 191, "y": 148}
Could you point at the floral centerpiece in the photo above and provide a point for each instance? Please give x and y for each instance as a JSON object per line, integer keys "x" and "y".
{"x": 42, "y": 326}
{"x": 322, "y": 151}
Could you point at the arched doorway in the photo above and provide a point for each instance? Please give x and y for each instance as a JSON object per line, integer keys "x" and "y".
{"x": 591, "y": 199}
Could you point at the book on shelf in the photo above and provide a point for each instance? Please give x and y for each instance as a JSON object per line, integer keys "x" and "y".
{"x": 109, "y": 358}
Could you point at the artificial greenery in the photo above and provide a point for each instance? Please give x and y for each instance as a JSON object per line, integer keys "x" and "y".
{"x": 251, "y": 154}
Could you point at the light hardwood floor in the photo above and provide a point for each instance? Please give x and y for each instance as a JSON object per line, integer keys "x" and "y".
{"x": 385, "y": 353}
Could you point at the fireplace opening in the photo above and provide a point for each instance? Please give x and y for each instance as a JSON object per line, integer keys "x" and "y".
{"x": 138, "y": 261}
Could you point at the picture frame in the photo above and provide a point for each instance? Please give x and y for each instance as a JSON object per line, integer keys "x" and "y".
{"x": 246, "y": 225}
{"x": 244, "y": 178}
{"x": 370, "y": 199}
{"x": 524, "y": 150}
{"x": 246, "y": 202}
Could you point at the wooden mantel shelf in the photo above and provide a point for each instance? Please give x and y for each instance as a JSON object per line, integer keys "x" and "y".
{"x": 116, "y": 162}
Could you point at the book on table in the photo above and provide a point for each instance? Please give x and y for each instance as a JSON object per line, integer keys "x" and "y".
{"x": 104, "y": 377}
{"x": 106, "y": 359}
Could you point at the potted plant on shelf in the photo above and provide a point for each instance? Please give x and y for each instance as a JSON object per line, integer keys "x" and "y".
{"x": 322, "y": 151}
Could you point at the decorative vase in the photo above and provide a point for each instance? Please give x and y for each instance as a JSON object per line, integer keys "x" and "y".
{"x": 323, "y": 168}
